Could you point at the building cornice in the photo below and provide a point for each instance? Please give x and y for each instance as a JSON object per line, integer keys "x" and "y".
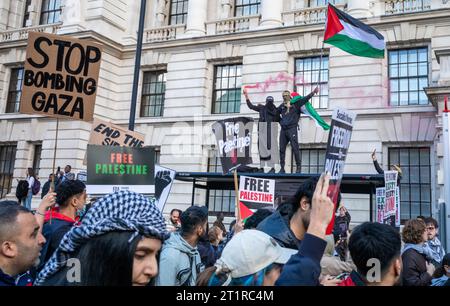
{"x": 121, "y": 50}
{"x": 383, "y": 23}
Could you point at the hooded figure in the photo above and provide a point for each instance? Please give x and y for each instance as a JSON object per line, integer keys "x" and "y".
{"x": 267, "y": 132}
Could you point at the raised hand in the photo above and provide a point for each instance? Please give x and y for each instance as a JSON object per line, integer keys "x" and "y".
{"x": 322, "y": 209}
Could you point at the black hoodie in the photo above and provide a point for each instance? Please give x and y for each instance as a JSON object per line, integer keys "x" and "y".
{"x": 277, "y": 226}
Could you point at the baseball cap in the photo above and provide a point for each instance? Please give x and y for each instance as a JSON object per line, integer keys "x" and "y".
{"x": 250, "y": 251}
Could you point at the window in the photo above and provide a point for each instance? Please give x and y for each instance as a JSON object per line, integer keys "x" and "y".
{"x": 408, "y": 75}
{"x": 313, "y": 3}
{"x": 178, "y": 11}
{"x": 37, "y": 158}
{"x": 247, "y": 7}
{"x": 7, "y": 158}
{"x": 415, "y": 186}
{"x": 312, "y": 161}
{"x": 26, "y": 14}
{"x": 153, "y": 92}
{"x": 219, "y": 200}
{"x": 14, "y": 91}
{"x": 307, "y": 76}
{"x": 50, "y": 11}
{"x": 227, "y": 89}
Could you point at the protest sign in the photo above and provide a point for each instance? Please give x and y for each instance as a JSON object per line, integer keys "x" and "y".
{"x": 82, "y": 176}
{"x": 256, "y": 193}
{"x": 397, "y": 207}
{"x": 108, "y": 134}
{"x": 164, "y": 178}
{"x": 234, "y": 139}
{"x": 380, "y": 198}
{"x": 114, "y": 168}
{"x": 338, "y": 142}
{"x": 60, "y": 76}
{"x": 390, "y": 184}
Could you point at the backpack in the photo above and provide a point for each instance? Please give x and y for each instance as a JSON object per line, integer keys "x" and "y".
{"x": 36, "y": 187}
{"x": 22, "y": 190}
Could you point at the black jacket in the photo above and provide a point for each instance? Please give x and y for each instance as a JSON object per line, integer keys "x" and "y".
{"x": 290, "y": 118}
{"x": 415, "y": 269}
{"x": 53, "y": 234}
{"x": 6, "y": 280}
{"x": 381, "y": 171}
{"x": 46, "y": 187}
{"x": 303, "y": 268}
{"x": 277, "y": 226}
{"x": 266, "y": 113}
{"x": 207, "y": 252}
{"x": 341, "y": 225}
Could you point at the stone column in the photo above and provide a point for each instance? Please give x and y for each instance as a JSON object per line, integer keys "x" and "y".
{"x": 443, "y": 58}
{"x": 4, "y": 15}
{"x": 225, "y": 9}
{"x": 196, "y": 18}
{"x": 161, "y": 13}
{"x": 71, "y": 16}
{"x": 358, "y": 8}
{"x": 271, "y": 14}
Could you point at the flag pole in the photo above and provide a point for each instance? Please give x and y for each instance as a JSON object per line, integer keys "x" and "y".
{"x": 321, "y": 50}
{"x": 52, "y": 185}
{"x": 236, "y": 189}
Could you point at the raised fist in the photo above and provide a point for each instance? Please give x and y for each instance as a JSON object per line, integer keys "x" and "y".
{"x": 162, "y": 180}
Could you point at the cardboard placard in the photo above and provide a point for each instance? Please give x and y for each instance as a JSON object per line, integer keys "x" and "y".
{"x": 338, "y": 143}
{"x": 60, "y": 77}
{"x": 234, "y": 140}
{"x": 108, "y": 134}
{"x": 114, "y": 168}
{"x": 164, "y": 178}
{"x": 256, "y": 193}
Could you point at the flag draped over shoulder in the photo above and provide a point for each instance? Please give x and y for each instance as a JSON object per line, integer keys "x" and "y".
{"x": 351, "y": 35}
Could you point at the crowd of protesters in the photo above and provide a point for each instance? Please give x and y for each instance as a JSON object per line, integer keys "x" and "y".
{"x": 285, "y": 247}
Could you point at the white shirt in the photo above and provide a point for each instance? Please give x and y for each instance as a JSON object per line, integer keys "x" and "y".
{"x": 30, "y": 181}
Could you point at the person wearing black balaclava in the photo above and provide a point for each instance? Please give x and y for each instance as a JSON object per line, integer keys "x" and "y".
{"x": 267, "y": 132}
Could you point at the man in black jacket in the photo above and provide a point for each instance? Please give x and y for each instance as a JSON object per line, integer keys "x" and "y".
{"x": 381, "y": 171}
{"x": 290, "y": 115}
{"x": 303, "y": 268}
{"x": 290, "y": 222}
{"x": 267, "y": 132}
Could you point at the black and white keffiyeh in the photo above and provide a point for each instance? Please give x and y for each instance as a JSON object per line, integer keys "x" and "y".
{"x": 119, "y": 211}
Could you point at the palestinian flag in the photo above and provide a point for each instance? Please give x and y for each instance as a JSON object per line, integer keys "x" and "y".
{"x": 351, "y": 35}
{"x": 309, "y": 111}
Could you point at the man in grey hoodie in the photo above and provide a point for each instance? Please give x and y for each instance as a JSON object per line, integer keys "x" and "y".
{"x": 180, "y": 262}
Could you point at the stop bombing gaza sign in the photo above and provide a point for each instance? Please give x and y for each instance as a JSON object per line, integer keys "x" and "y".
{"x": 60, "y": 77}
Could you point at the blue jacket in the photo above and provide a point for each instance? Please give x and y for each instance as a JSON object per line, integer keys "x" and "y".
{"x": 277, "y": 226}
{"x": 6, "y": 280}
{"x": 303, "y": 268}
